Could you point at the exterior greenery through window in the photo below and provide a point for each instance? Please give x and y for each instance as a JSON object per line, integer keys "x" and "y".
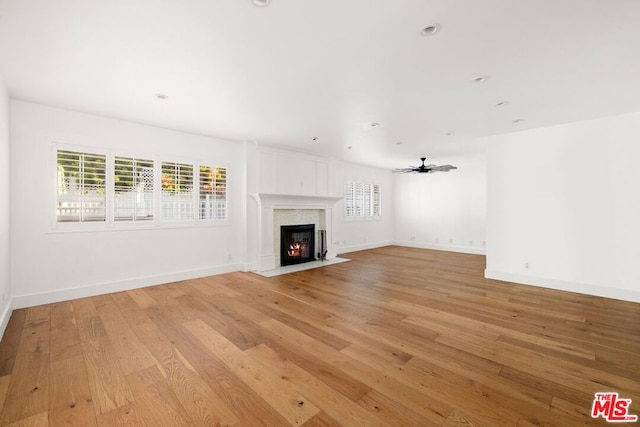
{"x": 84, "y": 193}
{"x": 361, "y": 200}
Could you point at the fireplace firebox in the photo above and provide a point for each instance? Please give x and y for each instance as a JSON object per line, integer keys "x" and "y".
{"x": 297, "y": 244}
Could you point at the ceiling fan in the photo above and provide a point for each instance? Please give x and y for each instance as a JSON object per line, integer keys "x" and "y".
{"x": 425, "y": 168}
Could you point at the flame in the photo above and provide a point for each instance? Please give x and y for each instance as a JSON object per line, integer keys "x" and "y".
{"x": 295, "y": 249}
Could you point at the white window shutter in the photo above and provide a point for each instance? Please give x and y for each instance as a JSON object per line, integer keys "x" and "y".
{"x": 81, "y": 186}
{"x": 213, "y": 192}
{"x": 176, "y": 199}
{"x": 133, "y": 188}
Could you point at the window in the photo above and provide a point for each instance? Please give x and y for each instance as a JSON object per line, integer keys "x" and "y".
{"x": 361, "y": 200}
{"x": 133, "y": 189}
{"x": 94, "y": 187}
{"x": 213, "y": 193}
{"x": 81, "y": 192}
{"x": 177, "y": 192}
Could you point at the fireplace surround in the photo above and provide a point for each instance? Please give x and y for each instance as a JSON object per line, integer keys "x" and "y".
{"x": 268, "y": 234}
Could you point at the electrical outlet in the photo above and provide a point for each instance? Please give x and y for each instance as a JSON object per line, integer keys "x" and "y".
{"x": 230, "y": 257}
{"x": 470, "y": 242}
{"x": 437, "y": 240}
{"x": 526, "y": 265}
{"x": 450, "y": 239}
{"x": 412, "y": 238}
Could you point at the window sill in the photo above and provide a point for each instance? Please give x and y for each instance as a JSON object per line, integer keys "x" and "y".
{"x": 101, "y": 228}
{"x": 362, "y": 218}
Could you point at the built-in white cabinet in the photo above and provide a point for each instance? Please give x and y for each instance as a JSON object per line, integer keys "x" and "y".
{"x": 285, "y": 173}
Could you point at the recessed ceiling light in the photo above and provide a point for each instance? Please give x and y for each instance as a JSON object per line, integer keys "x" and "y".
{"x": 261, "y": 3}
{"x": 315, "y": 138}
{"x": 161, "y": 96}
{"x": 450, "y": 133}
{"x": 349, "y": 147}
{"x": 430, "y": 30}
{"x": 480, "y": 79}
{"x": 518, "y": 120}
{"x": 501, "y": 104}
{"x": 399, "y": 143}
{"x": 375, "y": 124}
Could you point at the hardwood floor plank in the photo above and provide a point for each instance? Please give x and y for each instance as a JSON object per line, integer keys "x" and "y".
{"x": 126, "y": 415}
{"x": 131, "y": 353}
{"x": 428, "y": 406}
{"x": 547, "y": 385}
{"x": 65, "y": 339}
{"x": 453, "y": 389}
{"x": 286, "y": 399}
{"x": 574, "y": 375}
{"x": 456, "y": 419}
{"x": 37, "y": 420}
{"x": 392, "y": 412}
{"x": 242, "y": 334}
{"x": 453, "y": 371}
{"x": 310, "y": 326}
{"x": 88, "y": 322}
{"x": 4, "y": 387}
{"x": 28, "y": 392}
{"x": 194, "y": 394}
{"x": 344, "y": 411}
{"x": 321, "y": 419}
{"x": 11, "y": 341}
{"x": 155, "y": 402}
{"x": 106, "y": 377}
{"x": 70, "y": 399}
{"x": 315, "y": 364}
{"x": 245, "y": 404}
{"x": 376, "y": 358}
{"x": 142, "y": 298}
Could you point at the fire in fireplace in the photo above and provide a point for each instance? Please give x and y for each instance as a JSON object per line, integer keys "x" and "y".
{"x": 297, "y": 244}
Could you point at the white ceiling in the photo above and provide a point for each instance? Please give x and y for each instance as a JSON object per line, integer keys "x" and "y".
{"x": 299, "y": 69}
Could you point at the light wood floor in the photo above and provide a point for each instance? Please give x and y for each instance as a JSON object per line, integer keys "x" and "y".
{"x": 397, "y": 336}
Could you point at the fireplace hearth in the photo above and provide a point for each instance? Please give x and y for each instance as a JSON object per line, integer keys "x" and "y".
{"x": 297, "y": 244}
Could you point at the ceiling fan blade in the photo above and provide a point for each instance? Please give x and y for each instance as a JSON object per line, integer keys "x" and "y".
{"x": 443, "y": 168}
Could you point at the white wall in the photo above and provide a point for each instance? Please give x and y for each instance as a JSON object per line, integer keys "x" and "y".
{"x": 48, "y": 266}
{"x": 5, "y": 289}
{"x": 565, "y": 201}
{"x": 351, "y": 234}
{"x": 444, "y": 211}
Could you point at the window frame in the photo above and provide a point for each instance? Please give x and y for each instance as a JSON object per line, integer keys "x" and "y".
{"x": 110, "y": 223}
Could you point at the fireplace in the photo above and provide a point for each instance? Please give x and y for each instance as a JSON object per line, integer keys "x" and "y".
{"x": 297, "y": 244}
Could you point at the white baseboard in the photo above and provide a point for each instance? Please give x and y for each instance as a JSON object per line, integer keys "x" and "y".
{"x": 30, "y": 300}
{"x": 442, "y": 247}
{"x": 561, "y": 285}
{"x": 4, "y": 317}
{"x": 362, "y": 247}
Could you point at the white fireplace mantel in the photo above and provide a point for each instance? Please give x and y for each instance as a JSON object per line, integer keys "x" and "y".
{"x": 295, "y": 200}
{"x": 267, "y": 203}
